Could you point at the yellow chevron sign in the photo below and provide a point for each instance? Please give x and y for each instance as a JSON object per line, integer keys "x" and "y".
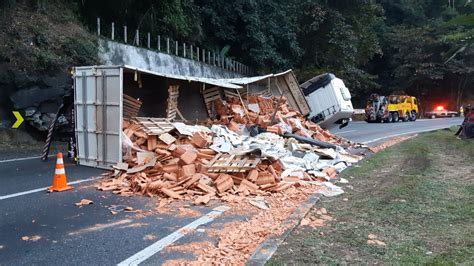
{"x": 19, "y": 119}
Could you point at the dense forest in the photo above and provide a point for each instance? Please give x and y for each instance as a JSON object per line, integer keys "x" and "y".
{"x": 421, "y": 47}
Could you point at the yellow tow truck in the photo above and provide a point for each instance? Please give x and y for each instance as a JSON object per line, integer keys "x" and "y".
{"x": 391, "y": 108}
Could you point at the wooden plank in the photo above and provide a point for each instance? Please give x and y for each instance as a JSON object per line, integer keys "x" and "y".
{"x": 155, "y": 126}
{"x": 298, "y": 96}
{"x": 224, "y": 163}
{"x": 173, "y": 92}
{"x": 131, "y": 99}
{"x": 207, "y": 100}
{"x": 211, "y": 95}
{"x": 131, "y": 106}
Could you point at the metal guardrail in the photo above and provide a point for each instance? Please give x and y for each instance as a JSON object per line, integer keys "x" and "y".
{"x": 172, "y": 47}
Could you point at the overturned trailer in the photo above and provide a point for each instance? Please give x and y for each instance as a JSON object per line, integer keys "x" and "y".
{"x": 105, "y": 95}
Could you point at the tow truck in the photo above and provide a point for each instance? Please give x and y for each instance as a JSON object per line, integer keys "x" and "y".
{"x": 391, "y": 108}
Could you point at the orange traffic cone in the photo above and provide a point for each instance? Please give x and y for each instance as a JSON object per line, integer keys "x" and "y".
{"x": 59, "y": 180}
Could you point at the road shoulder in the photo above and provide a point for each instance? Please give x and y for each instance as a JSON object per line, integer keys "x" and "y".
{"x": 410, "y": 203}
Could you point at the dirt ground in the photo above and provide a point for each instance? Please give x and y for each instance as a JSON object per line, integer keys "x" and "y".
{"x": 409, "y": 204}
{"x": 18, "y": 144}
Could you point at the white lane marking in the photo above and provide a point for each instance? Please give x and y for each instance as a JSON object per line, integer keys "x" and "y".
{"x": 43, "y": 189}
{"x": 20, "y": 159}
{"x": 401, "y": 134}
{"x": 343, "y": 132}
{"x": 149, "y": 251}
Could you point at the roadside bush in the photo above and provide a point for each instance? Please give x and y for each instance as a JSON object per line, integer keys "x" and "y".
{"x": 46, "y": 60}
{"x": 82, "y": 50}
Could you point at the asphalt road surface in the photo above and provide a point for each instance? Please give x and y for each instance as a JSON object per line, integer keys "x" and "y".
{"x": 373, "y": 133}
{"x": 59, "y": 232}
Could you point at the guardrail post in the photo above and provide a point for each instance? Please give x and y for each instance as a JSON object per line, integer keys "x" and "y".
{"x": 209, "y": 57}
{"x": 184, "y": 49}
{"x": 113, "y": 31}
{"x": 191, "y": 51}
{"x": 159, "y": 43}
{"x": 137, "y": 39}
{"x": 176, "y": 44}
{"x": 168, "y": 45}
{"x": 197, "y": 53}
{"x": 204, "y": 55}
{"x": 148, "y": 44}
{"x": 125, "y": 34}
{"x": 98, "y": 26}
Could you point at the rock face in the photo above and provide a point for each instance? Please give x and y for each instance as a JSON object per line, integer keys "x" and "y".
{"x": 37, "y": 100}
{"x": 36, "y": 51}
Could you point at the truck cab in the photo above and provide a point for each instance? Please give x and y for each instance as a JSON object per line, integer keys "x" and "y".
{"x": 329, "y": 100}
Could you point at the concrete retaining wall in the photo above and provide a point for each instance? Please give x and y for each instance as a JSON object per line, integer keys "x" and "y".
{"x": 114, "y": 53}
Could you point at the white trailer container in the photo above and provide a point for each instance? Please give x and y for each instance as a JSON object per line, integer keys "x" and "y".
{"x": 98, "y": 115}
{"x": 329, "y": 100}
{"x": 98, "y": 105}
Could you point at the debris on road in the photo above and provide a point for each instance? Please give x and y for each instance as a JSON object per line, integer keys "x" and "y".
{"x": 244, "y": 158}
{"x": 83, "y": 202}
{"x": 390, "y": 142}
{"x": 232, "y": 158}
{"x": 33, "y": 238}
{"x": 149, "y": 237}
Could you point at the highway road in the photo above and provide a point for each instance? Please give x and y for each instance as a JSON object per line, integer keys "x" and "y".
{"x": 63, "y": 233}
{"x": 373, "y": 133}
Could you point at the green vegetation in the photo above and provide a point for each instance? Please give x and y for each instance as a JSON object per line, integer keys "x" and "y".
{"x": 42, "y": 38}
{"x": 420, "y": 47}
{"x": 416, "y": 197}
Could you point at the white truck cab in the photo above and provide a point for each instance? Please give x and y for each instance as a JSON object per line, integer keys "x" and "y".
{"x": 329, "y": 100}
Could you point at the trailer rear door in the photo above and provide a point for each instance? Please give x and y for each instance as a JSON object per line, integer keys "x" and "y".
{"x": 98, "y": 115}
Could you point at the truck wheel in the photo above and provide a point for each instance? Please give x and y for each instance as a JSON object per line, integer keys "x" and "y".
{"x": 395, "y": 116}
{"x": 390, "y": 118}
{"x": 432, "y": 116}
{"x": 453, "y": 115}
{"x": 413, "y": 116}
{"x": 406, "y": 117}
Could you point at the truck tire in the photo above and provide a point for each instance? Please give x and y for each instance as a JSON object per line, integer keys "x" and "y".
{"x": 413, "y": 116}
{"x": 390, "y": 118}
{"x": 406, "y": 117}
{"x": 433, "y": 116}
{"x": 396, "y": 117}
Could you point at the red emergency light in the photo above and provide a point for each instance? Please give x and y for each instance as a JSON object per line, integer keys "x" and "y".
{"x": 439, "y": 108}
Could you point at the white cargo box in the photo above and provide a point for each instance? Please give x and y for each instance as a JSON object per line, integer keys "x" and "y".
{"x": 98, "y": 105}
